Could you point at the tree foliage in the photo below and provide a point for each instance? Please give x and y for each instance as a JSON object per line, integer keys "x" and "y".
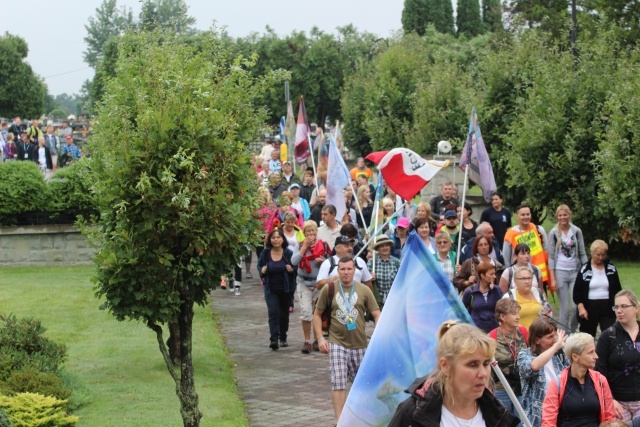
{"x": 468, "y": 20}
{"x": 172, "y": 174}
{"x": 492, "y": 15}
{"x": 168, "y": 14}
{"x": 22, "y": 92}
{"x": 108, "y": 22}
{"x": 417, "y": 15}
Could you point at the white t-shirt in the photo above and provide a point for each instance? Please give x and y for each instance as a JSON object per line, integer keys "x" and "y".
{"x": 550, "y": 373}
{"x": 362, "y": 272}
{"x": 565, "y": 262}
{"x": 42, "y": 159}
{"x": 447, "y": 419}
{"x": 599, "y": 285}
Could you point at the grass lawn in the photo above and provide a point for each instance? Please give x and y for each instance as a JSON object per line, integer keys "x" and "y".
{"x": 119, "y": 370}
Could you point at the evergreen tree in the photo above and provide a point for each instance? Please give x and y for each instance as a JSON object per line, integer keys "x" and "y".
{"x": 416, "y": 15}
{"x": 468, "y": 19}
{"x": 446, "y": 22}
{"x": 492, "y": 15}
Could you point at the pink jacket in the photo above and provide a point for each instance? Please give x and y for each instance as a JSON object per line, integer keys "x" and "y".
{"x": 553, "y": 399}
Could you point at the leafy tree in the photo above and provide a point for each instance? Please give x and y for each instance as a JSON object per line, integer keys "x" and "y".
{"x": 22, "y": 92}
{"x": 167, "y": 14}
{"x": 67, "y": 102}
{"x": 492, "y": 15}
{"x": 548, "y": 15}
{"x": 108, "y": 22}
{"x": 173, "y": 177}
{"x": 625, "y": 13}
{"x": 468, "y": 19}
{"x": 445, "y": 21}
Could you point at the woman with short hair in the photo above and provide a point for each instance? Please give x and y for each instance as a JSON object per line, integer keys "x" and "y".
{"x": 581, "y": 396}
{"x": 481, "y": 298}
{"x": 467, "y": 275}
{"x": 594, "y": 292}
{"x": 456, "y": 392}
{"x": 423, "y": 210}
{"x": 444, "y": 255}
{"x": 523, "y": 259}
{"x": 619, "y": 357}
{"x": 423, "y": 229}
{"x": 531, "y": 299}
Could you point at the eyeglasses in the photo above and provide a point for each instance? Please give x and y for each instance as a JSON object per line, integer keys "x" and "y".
{"x": 441, "y": 243}
{"x": 623, "y": 307}
{"x": 526, "y": 279}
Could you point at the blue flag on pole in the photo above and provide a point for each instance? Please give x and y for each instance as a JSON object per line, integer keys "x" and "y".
{"x": 475, "y": 157}
{"x": 338, "y": 177}
{"x": 403, "y": 345}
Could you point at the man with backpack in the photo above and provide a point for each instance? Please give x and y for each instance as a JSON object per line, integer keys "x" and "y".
{"x": 347, "y": 336}
{"x": 328, "y": 270}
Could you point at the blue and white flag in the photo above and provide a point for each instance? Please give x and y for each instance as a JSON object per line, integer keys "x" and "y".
{"x": 338, "y": 177}
{"x": 475, "y": 157}
{"x": 403, "y": 345}
{"x": 283, "y": 122}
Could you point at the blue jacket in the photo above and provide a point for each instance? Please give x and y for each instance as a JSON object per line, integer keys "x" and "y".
{"x": 289, "y": 278}
{"x": 482, "y": 312}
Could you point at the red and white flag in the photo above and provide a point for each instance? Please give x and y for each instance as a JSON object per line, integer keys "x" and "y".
{"x": 301, "y": 146}
{"x": 405, "y": 172}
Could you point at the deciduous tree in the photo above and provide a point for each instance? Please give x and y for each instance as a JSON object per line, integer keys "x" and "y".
{"x": 173, "y": 177}
{"x": 109, "y": 21}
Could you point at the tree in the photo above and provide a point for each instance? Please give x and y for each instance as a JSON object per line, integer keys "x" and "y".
{"x": 108, "y": 22}
{"x": 468, "y": 19}
{"x": 445, "y": 21}
{"x": 549, "y": 15}
{"x": 173, "y": 177}
{"x": 22, "y": 92}
{"x": 492, "y": 15}
{"x": 167, "y": 14}
{"x": 416, "y": 15}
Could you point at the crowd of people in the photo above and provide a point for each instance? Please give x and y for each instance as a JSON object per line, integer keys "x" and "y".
{"x": 342, "y": 271}
{"x": 43, "y": 145}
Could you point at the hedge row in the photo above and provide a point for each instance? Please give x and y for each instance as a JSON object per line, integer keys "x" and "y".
{"x": 26, "y": 198}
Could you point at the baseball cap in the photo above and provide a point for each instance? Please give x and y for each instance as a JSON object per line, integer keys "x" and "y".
{"x": 450, "y": 214}
{"x": 343, "y": 240}
{"x": 69, "y": 137}
{"x": 403, "y": 222}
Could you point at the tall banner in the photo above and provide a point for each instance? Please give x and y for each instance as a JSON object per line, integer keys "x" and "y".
{"x": 338, "y": 177}
{"x": 405, "y": 171}
{"x": 284, "y": 151}
{"x": 301, "y": 146}
{"x": 403, "y": 345}
{"x": 475, "y": 157}
{"x": 290, "y": 127}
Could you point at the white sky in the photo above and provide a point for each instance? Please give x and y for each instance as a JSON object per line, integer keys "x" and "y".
{"x": 54, "y": 29}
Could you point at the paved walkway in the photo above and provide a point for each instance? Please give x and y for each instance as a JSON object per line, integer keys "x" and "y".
{"x": 281, "y": 388}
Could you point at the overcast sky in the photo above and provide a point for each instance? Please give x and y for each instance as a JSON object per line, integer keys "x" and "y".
{"x": 54, "y": 29}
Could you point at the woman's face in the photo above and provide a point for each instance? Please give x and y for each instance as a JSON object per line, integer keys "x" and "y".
{"x": 563, "y": 217}
{"x": 626, "y": 312}
{"x": 523, "y": 258}
{"x": 598, "y": 256}
{"x": 524, "y": 282}
{"x": 284, "y": 208}
{"x": 443, "y": 244}
{"x": 348, "y": 193}
{"x": 388, "y": 209}
{"x": 289, "y": 224}
{"x": 587, "y": 358}
{"x": 423, "y": 231}
{"x": 276, "y": 240}
{"x": 546, "y": 341}
{"x": 489, "y": 276}
{"x": 366, "y": 193}
{"x": 469, "y": 375}
{"x": 483, "y": 247}
{"x": 511, "y": 319}
{"x": 421, "y": 212}
{"x": 311, "y": 233}
{"x": 401, "y": 231}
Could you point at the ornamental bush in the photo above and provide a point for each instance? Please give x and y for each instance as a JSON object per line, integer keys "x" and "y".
{"x": 22, "y": 345}
{"x": 30, "y": 380}
{"x": 23, "y": 190}
{"x": 36, "y": 410}
{"x": 70, "y": 188}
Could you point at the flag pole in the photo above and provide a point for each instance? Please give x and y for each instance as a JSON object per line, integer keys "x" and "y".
{"x": 523, "y": 417}
{"x": 464, "y": 196}
{"x": 367, "y": 242}
{"x": 355, "y": 196}
{"x": 313, "y": 163}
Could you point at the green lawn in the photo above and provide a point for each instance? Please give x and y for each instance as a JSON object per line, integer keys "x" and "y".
{"x": 122, "y": 377}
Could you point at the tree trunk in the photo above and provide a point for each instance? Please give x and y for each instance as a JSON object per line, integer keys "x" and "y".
{"x": 191, "y": 415}
{"x": 173, "y": 343}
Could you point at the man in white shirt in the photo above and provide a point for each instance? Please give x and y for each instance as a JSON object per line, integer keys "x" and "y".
{"x": 329, "y": 231}
{"x": 329, "y": 272}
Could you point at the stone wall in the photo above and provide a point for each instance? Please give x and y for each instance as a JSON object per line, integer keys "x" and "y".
{"x": 43, "y": 245}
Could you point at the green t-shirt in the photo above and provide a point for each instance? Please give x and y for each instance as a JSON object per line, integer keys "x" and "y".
{"x": 361, "y": 300}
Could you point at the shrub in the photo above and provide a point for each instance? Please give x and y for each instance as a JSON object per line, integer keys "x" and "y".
{"x": 36, "y": 410}
{"x": 29, "y": 380}
{"x": 70, "y": 188}
{"x": 4, "y": 419}
{"x": 23, "y": 190}
{"x": 22, "y": 345}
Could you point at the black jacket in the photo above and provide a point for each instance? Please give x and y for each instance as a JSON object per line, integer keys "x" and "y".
{"x": 33, "y": 156}
{"x": 581, "y": 287}
{"x": 418, "y": 412}
{"x": 619, "y": 361}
